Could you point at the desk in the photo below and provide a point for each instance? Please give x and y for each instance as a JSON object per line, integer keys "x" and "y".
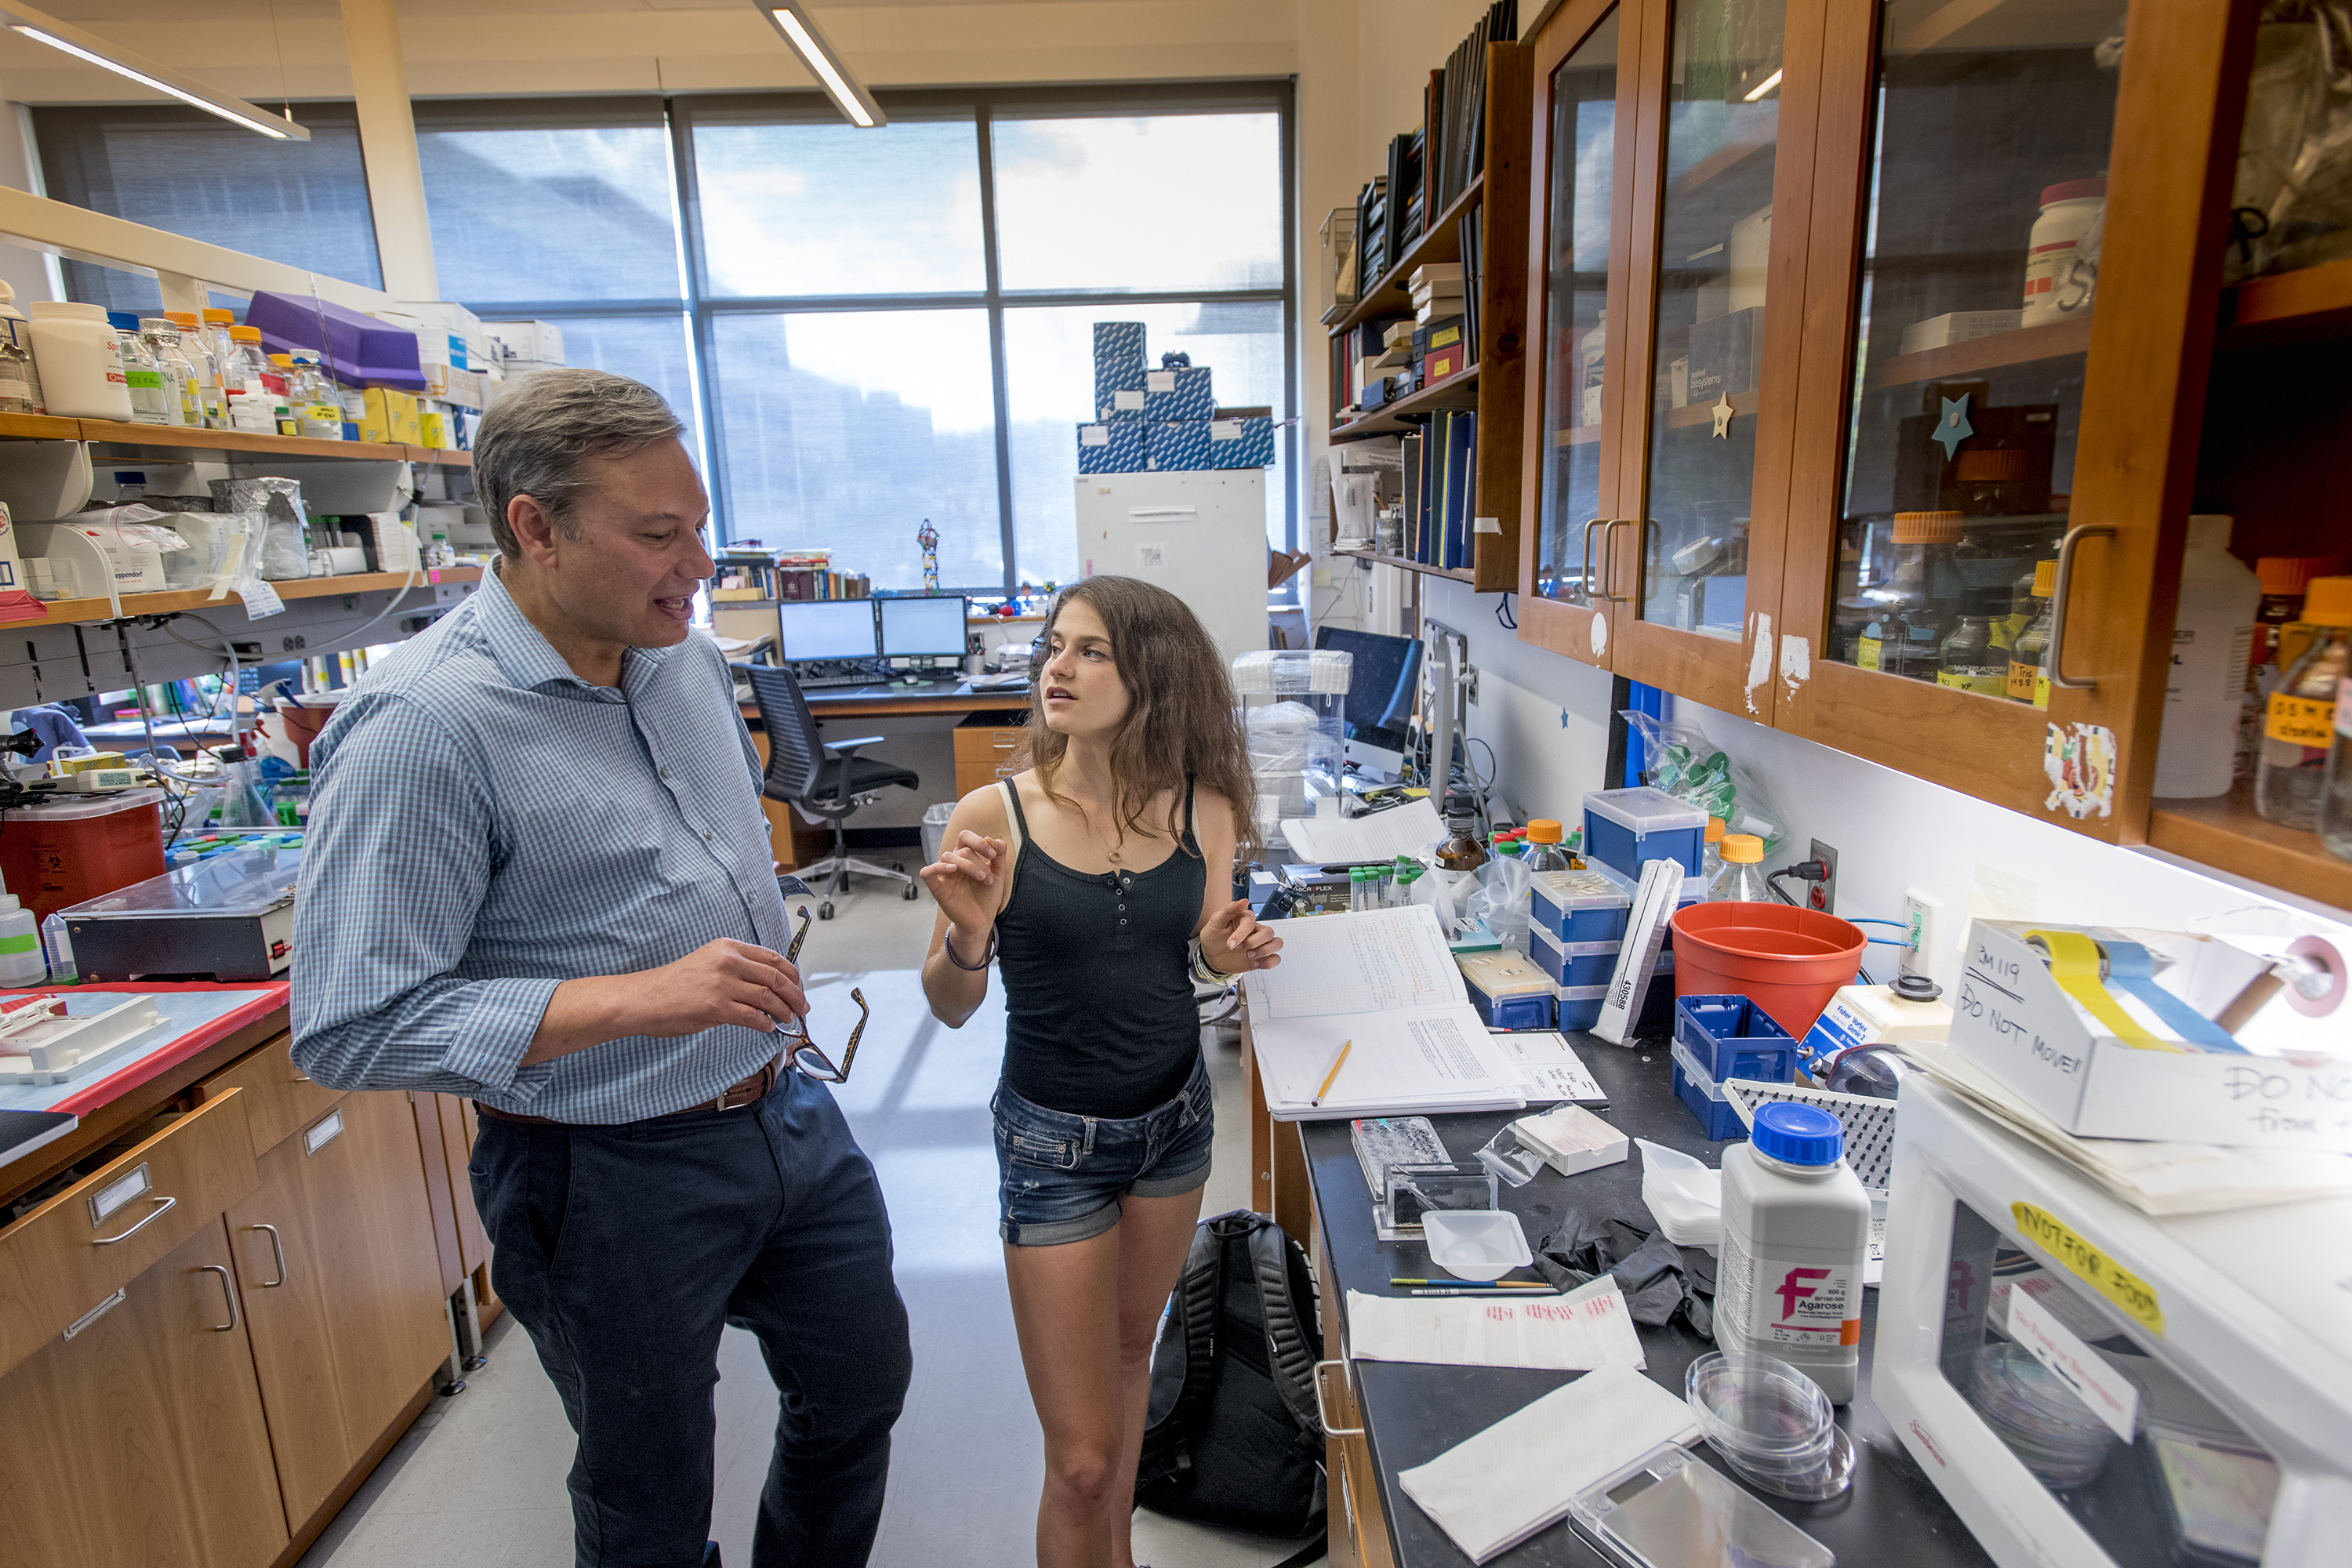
{"x": 1413, "y": 1413}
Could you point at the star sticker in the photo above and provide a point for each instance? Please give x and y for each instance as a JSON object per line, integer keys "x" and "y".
{"x": 1564, "y": 718}
{"x": 1723, "y": 411}
{"x": 1952, "y": 426}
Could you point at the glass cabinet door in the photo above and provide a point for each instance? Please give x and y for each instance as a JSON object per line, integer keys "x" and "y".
{"x": 1723, "y": 88}
{"x": 1572, "y": 482}
{"x": 1980, "y": 277}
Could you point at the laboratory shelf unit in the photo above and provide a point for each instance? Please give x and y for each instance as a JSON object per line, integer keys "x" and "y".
{"x": 82, "y": 612}
{"x": 2309, "y": 302}
{"x": 2226, "y": 834}
{"x": 176, "y": 437}
{"x": 1396, "y": 418}
{"x": 1437, "y": 242}
{"x": 1404, "y": 564}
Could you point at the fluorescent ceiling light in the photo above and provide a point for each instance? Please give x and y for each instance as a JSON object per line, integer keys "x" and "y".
{"x": 1761, "y": 88}
{"x": 72, "y": 40}
{"x": 799, "y": 28}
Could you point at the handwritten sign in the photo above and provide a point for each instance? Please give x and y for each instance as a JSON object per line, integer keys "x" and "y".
{"x": 2110, "y": 1396}
{"x": 2127, "y": 1289}
{"x": 1575, "y": 1332}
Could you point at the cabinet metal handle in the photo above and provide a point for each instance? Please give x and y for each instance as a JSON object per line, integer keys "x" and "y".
{"x": 228, "y": 1293}
{"x": 2058, "y": 676}
{"x": 1323, "y": 1411}
{"x": 163, "y": 1206}
{"x": 1609, "y": 555}
{"x": 277, "y": 1246}
{"x": 1587, "y": 579}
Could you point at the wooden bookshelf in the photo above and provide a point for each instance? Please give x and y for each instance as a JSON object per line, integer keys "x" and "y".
{"x": 70, "y": 611}
{"x": 1406, "y": 563}
{"x": 1392, "y": 295}
{"x": 1394, "y": 418}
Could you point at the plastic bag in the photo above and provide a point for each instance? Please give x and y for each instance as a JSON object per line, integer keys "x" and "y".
{"x": 1505, "y": 886}
{"x": 134, "y": 524}
{"x": 1685, "y": 764}
{"x": 2291, "y": 202}
{"x": 285, "y": 549}
{"x": 1683, "y": 1194}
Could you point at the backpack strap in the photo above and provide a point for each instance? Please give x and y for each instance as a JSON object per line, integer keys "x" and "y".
{"x": 1200, "y": 1294}
{"x": 1287, "y": 1353}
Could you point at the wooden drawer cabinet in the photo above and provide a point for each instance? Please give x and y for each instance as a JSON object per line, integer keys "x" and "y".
{"x": 341, "y": 1284}
{"x": 70, "y": 1255}
{"x": 1359, "y": 1529}
{"x": 140, "y": 1440}
{"x": 279, "y": 1098}
{"x": 984, "y": 753}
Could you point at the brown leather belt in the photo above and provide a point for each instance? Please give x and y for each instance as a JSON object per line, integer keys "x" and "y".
{"x": 750, "y": 1091}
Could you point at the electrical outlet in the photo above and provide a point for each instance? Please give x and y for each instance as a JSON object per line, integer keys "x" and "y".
{"x": 1470, "y": 683}
{"x": 1823, "y": 895}
{"x": 1921, "y": 913}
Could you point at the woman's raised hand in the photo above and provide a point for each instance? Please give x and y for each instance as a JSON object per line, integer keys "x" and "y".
{"x": 1233, "y": 940}
{"x": 963, "y": 880}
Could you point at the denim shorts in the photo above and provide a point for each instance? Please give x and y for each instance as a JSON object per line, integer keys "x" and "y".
{"x": 1060, "y": 1176}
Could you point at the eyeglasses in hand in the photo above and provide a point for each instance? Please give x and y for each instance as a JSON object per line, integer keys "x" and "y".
{"x": 806, "y": 1055}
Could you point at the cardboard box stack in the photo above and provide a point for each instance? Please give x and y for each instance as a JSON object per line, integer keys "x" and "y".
{"x": 1164, "y": 419}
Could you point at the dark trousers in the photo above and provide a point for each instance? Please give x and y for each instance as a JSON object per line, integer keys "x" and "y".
{"x": 624, "y": 1251}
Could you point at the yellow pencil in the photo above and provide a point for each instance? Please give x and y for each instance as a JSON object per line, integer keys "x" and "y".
{"x": 1336, "y": 1063}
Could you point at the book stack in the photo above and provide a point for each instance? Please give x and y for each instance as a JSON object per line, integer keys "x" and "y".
{"x": 1456, "y": 107}
{"x": 1405, "y": 163}
{"x": 1372, "y": 235}
{"x": 809, "y": 575}
{"x": 1441, "y": 489}
{"x": 1436, "y": 289}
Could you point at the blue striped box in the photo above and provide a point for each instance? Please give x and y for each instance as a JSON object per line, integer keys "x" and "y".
{"x": 1117, "y": 448}
{"x": 1119, "y": 368}
{"x": 1177, "y": 445}
{"x": 1246, "y": 443}
{"x": 1181, "y": 393}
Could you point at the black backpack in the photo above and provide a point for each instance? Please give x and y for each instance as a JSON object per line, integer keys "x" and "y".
{"x": 1233, "y": 1436}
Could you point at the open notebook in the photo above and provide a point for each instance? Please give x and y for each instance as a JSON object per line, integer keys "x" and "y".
{"x": 1384, "y": 980}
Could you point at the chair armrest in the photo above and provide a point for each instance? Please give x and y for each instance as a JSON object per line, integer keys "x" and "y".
{"x": 845, "y": 746}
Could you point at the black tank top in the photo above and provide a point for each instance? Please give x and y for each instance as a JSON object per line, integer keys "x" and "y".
{"x": 1099, "y": 1018}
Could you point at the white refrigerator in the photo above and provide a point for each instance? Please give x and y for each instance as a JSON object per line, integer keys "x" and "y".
{"x": 1200, "y": 534}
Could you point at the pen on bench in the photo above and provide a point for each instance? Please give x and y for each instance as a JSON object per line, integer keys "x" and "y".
{"x": 1336, "y": 1063}
{"x": 1477, "y": 1284}
{"x": 1485, "y": 1290}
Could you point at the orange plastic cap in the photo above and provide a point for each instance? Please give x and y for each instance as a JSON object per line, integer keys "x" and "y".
{"x": 2045, "y": 579}
{"x": 2291, "y": 573}
{"x": 219, "y": 318}
{"x": 184, "y": 319}
{"x": 2327, "y": 602}
{"x": 245, "y": 334}
{"x": 1542, "y": 830}
{"x": 1743, "y": 849}
{"x": 1716, "y": 828}
{"x": 1928, "y": 526}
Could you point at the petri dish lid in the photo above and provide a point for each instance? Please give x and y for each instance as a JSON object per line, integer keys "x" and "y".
{"x": 1771, "y": 1423}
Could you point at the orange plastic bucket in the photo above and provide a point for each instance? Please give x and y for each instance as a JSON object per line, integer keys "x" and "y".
{"x": 302, "y": 727}
{"x": 1788, "y": 960}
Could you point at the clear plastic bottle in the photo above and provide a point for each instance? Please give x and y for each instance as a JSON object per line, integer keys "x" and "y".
{"x": 251, "y": 385}
{"x": 153, "y": 399}
{"x": 2299, "y": 719}
{"x": 1742, "y": 878}
{"x": 21, "y": 963}
{"x": 2335, "y": 792}
{"x": 179, "y": 371}
{"x": 2213, "y": 643}
{"x": 196, "y": 344}
{"x": 1710, "y": 860}
{"x": 57, "y": 950}
{"x": 318, "y": 411}
{"x": 1796, "y": 1236}
{"x": 17, "y": 359}
{"x": 2028, "y": 682}
{"x": 1544, "y": 851}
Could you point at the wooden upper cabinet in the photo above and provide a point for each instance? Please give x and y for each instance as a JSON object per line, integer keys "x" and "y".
{"x": 2013, "y": 273}
{"x": 1581, "y": 168}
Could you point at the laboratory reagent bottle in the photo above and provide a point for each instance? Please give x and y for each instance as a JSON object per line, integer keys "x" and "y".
{"x": 21, "y": 963}
{"x": 2336, "y": 793}
{"x": 1543, "y": 852}
{"x": 2212, "y": 639}
{"x": 17, "y": 359}
{"x": 2299, "y": 719}
{"x": 2284, "y": 579}
{"x": 1796, "y": 1235}
{"x": 2027, "y": 683}
{"x": 1966, "y": 660}
{"x": 1461, "y": 851}
{"x": 179, "y": 371}
{"x": 153, "y": 399}
{"x": 1742, "y": 879}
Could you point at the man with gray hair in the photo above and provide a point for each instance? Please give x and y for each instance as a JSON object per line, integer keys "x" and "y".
{"x": 537, "y": 873}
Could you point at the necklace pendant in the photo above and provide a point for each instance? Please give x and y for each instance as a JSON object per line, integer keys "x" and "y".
{"x": 1114, "y": 857}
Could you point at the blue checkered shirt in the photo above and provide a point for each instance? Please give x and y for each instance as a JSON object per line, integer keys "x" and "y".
{"x": 486, "y": 823}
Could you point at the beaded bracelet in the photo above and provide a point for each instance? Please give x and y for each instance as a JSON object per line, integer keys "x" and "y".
{"x": 948, "y": 942}
{"x": 1202, "y": 971}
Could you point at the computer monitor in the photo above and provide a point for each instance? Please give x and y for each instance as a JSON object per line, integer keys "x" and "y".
{"x": 923, "y": 629}
{"x": 1381, "y": 684}
{"x": 827, "y": 628}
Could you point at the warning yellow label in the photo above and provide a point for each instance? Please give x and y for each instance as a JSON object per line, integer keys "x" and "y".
{"x": 2303, "y": 720}
{"x": 2135, "y": 1295}
{"x": 1867, "y": 656}
{"x": 2021, "y": 680}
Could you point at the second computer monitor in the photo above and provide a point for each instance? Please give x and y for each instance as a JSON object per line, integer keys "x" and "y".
{"x": 827, "y": 628}
{"x": 923, "y": 629}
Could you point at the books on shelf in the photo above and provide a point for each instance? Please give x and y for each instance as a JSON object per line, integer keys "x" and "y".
{"x": 1438, "y": 518}
{"x": 760, "y": 576}
{"x": 1458, "y": 122}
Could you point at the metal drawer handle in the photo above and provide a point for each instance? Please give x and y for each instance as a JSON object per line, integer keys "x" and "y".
{"x": 1323, "y": 1411}
{"x": 1585, "y": 583}
{"x": 228, "y": 1292}
{"x": 277, "y": 1246}
{"x": 163, "y": 1206}
{"x": 2057, "y": 654}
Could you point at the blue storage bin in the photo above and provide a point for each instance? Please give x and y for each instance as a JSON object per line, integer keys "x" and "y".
{"x": 1573, "y": 963}
{"x": 1719, "y": 1037}
{"x": 1507, "y": 989}
{"x": 1624, "y": 827}
{"x": 1578, "y": 1006}
{"x": 1579, "y": 906}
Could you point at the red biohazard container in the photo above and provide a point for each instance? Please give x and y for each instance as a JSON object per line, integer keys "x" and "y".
{"x": 55, "y": 854}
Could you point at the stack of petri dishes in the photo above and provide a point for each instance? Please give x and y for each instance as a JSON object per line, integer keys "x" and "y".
{"x": 1771, "y": 1423}
{"x": 2057, "y": 1436}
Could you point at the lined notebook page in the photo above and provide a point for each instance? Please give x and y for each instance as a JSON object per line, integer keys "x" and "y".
{"x": 1375, "y": 961}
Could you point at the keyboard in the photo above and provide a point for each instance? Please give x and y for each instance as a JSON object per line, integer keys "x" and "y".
{"x": 808, "y": 681}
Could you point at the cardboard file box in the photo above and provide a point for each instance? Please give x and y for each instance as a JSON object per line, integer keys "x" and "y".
{"x": 1246, "y": 443}
{"x": 1179, "y": 393}
{"x": 1112, "y": 449}
{"x": 1119, "y": 369}
{"x": 1176, "y": 446}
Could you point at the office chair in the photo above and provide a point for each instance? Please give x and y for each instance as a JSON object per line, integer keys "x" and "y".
{"x": 824, "y": 780}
